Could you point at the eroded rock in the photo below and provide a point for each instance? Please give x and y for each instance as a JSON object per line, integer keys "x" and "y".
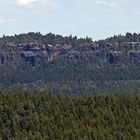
{"x": 115, "y": 57}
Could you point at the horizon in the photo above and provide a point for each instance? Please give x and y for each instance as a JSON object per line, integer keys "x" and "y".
{"x": 97, "y": 19}
{"x": 78, "y": 37}
{"x": 64, "y": 35}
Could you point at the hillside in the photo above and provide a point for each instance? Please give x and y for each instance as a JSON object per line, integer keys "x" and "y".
{"x": 70, "y": 65}
{"x": 50, "y": 117}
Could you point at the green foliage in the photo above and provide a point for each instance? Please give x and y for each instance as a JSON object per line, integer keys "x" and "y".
{"x": 72, "y": 77}
{"x": 90, "y": 75}
{"x": 50, "y": 117}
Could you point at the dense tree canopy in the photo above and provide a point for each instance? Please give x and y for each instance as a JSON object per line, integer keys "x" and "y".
{"x": 50, "y": 117}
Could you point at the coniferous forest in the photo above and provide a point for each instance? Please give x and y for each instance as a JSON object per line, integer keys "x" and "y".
{"x": 69, "y": 88}
{"x": 56, "y": 117}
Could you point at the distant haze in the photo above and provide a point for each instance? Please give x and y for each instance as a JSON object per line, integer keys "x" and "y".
{"x": 95, "y": 18}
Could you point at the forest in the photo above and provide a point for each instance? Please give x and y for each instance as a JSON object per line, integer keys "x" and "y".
{"x": 70, "y": 65}
{"x": 69, "y": 88}
{"x": 24, "y": 116}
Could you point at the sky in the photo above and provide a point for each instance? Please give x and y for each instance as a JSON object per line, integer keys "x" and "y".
{"x": 98, "y": 19}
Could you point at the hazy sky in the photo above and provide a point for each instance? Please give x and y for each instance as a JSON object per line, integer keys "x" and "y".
{"x": 95, "y": 18}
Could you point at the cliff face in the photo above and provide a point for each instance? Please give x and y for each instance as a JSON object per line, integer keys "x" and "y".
{"x": 35, "y": 53}
{"x": 7, "y": 57}
{"x": 37, "y": 49}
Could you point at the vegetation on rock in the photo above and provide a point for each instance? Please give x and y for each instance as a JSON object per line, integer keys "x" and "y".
{"x": 70, "y": 65}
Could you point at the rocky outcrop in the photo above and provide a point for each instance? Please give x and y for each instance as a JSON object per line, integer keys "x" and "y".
{"x": 108, "y": 45}
{"x": 7, "y": 57}
{"x": 11, "y": 44}
{"x": 35, "y": 53}
{"x": 130, "y": 45}
{"x": 135, "y": 54}
{"x": 35, "y": 58}
{"x": 95, "y": 47}
{"x": 115, "y": 57}
{"x": 73, "y": 54}
{"x": 31, "y": 47}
